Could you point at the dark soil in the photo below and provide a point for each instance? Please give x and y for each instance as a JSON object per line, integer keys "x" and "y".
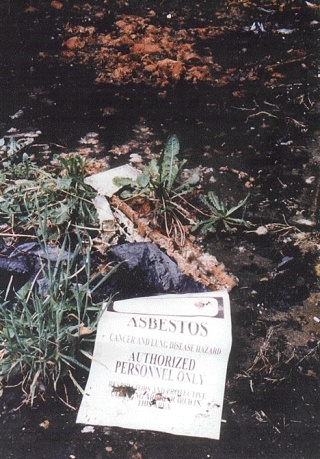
{"x": 252, "y": 125}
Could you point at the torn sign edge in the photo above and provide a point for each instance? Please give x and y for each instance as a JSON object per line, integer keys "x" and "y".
{"x": 123, "y": 409}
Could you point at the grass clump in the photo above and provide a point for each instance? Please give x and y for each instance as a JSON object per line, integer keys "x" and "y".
{"x": 48, "y": 329}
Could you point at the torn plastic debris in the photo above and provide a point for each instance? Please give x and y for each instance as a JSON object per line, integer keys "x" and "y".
{"x": 146, "y": 270}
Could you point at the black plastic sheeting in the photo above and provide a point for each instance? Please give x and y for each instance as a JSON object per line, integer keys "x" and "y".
{"x": 19, "y": 264}
{"x": 144, "y": 270}
{"x": 16, "y": 268}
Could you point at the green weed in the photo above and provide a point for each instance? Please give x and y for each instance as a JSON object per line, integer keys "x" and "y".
{"x": 161, "y": 183}
{"x": 221, "y": 215}
{"x": 28, "y": 191}
{"x": 160, "y": 178}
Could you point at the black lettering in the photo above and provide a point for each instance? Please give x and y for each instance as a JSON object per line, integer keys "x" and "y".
{"x": 160, "y": 360}
{"x": 177, "y": 361}
{"x": 180, "y": 376}
{"x": 153, "y": 323}
{"x": 193, "y": 328}
{"x": 204, "y": 329}
{"x": 165, "y": 325}
{"x": 132, "y": 357}
{"x": 182, "y": 326}
{"x": 162, "y": 323}
{"x": 132, "y": 322}
{"x": 130, "y": 368}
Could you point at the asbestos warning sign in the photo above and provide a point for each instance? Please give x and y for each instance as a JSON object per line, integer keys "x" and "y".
{"x": 160, "y": 364}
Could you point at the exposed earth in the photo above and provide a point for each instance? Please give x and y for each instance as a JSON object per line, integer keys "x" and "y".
{"x": 238, "y": 83}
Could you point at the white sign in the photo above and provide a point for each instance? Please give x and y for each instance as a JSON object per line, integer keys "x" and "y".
{"x": 160, "y": 364}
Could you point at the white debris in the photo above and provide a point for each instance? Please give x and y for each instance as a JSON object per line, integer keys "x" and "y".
{"x": 285, "y": 31}
{"x": 261, "y": 231}
{"x": 256, "y": 27}
{"x": 135, "y": 158}
{"x": 87, "y": 429}
{"x": 303, "y": 221}
{"x": 127, "y": 228}
{"x": 92, "y": 138}
{"x": 16, "y": 115}
{"x": 105, "y": 214}
{"x": 310, "y": 179}
{"x": 103, "y": 181}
